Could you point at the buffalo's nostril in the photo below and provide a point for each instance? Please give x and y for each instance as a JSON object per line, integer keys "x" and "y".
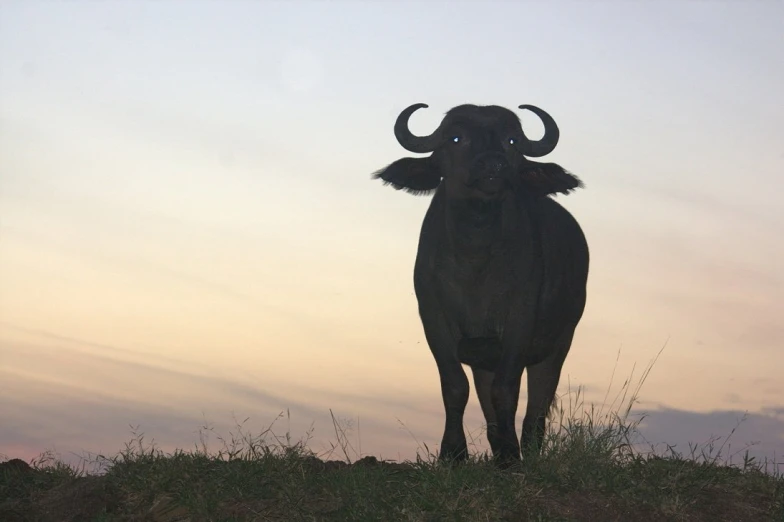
{"x": 492, "y": 166}
{"x": 496, "y": 166}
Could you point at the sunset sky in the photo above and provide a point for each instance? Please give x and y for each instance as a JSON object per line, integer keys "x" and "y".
{"x": 189, "y": 229}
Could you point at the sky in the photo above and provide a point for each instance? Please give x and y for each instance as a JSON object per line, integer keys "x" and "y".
{"x": 190, "y": 235}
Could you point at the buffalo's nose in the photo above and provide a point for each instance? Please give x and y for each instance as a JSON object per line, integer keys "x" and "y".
{"x": 492, "y": 165}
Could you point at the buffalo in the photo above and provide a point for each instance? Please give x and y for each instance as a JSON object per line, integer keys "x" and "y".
{"x": 501, "y": 268}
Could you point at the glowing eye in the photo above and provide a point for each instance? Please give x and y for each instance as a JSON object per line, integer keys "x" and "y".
{"x": 456, "y": 139}
{"x": 512, "y": 141}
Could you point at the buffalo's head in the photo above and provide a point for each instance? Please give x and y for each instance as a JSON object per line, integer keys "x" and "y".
{"x": 479, "y": 151}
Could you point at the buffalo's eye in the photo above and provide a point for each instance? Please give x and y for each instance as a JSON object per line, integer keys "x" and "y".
{"x": 512, "y": 141}
{"x": 456, "y": 139}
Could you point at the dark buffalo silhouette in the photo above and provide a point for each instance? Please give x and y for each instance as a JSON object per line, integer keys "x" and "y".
{"x": 501, "y": 268}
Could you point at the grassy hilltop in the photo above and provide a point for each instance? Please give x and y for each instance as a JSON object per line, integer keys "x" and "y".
{"x": 590, "y": 470}
{"x": 587, "y": 472}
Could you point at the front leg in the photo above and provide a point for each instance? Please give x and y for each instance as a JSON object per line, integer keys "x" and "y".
{"x": 442, "y": 337}
{"x": 454, "y": 390}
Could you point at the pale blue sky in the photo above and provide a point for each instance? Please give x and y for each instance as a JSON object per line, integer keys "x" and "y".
{"x": 192, "y": 185}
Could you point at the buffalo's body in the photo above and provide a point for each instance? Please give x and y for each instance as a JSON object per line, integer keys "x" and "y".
{"x": 501, "y": 268}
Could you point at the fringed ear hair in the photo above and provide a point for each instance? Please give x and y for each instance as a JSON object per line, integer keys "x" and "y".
{"x": 547, "y": 178}
{"x": 415, "y": 175}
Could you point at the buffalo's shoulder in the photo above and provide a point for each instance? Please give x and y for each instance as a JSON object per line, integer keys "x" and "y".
{"x": 557, "y": 223}
{"x": 564, "y": 247}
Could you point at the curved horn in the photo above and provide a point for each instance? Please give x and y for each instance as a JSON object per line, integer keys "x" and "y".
{"x": 408, "y": 140}
{"x": 548, "y": 142}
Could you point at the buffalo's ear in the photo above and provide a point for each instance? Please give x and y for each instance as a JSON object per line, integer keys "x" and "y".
{"x": 544, "y": 179}
{"x": 414, "y": 175}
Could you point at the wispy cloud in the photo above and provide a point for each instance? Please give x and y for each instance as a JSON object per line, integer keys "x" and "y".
{"x": 732, "y": 431}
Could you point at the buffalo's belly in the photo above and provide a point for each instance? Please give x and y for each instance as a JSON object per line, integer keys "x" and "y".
{"x": 478, "y": 315}
{"x": 480, "y": 322}
{"x": 480, "y": 352}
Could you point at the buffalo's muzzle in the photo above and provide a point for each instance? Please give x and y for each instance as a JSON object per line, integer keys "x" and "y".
{"x": 489, "y": 172}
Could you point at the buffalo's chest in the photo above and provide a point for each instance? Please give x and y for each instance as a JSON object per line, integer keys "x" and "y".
{"x": 477, "y": 295}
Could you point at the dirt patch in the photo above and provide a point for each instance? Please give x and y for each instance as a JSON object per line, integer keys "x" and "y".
{"x": 15, "y": 466}
{"x": 314, "y": 464}
{"x": 82, "y": 499}
{"x": 34, "y": 495}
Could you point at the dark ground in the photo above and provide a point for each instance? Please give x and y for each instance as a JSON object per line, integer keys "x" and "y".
{"x": 297, "y": 486}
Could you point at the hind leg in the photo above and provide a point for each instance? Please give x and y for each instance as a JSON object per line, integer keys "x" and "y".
{"x": 542, "y": 383}
{"x": 483, "y": 382}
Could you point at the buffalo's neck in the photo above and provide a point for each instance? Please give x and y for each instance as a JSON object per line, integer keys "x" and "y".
{"x": 478, "y": 228}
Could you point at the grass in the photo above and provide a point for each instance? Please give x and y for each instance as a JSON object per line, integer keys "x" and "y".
{"x": 590, "y": 470}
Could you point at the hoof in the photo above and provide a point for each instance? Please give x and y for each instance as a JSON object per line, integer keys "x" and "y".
{"x": 453, "y": 455}
{"x": 509, "y": 464}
